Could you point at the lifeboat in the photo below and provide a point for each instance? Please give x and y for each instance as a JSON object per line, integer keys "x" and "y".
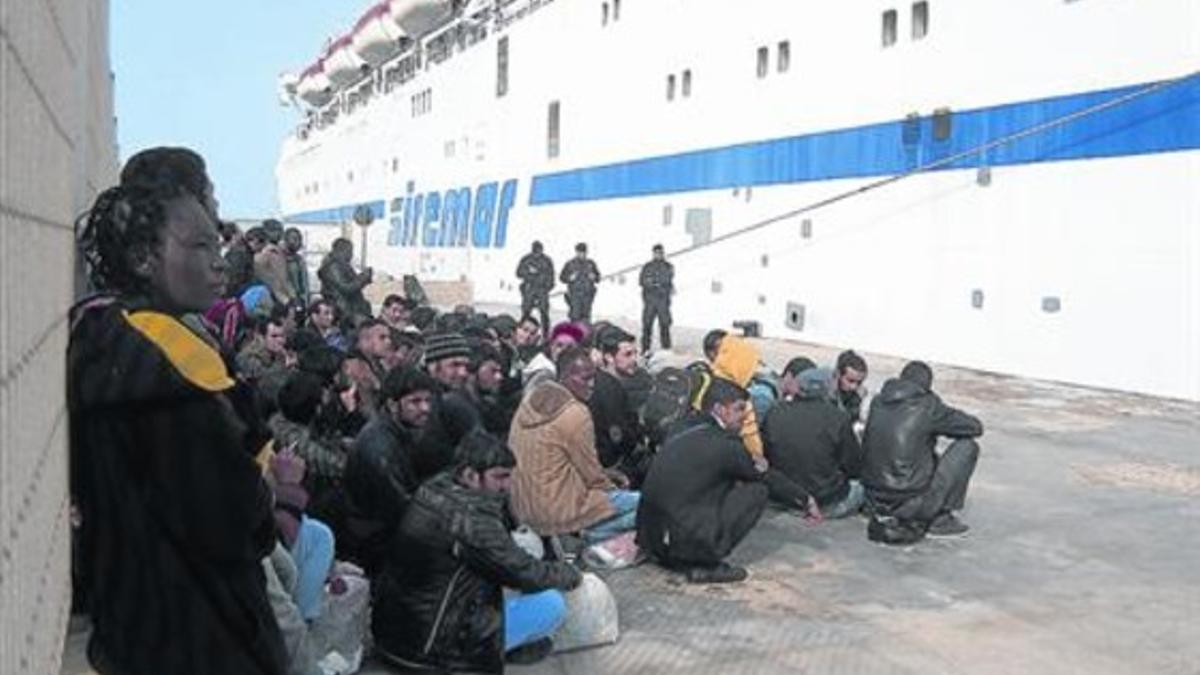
{"x": 418, "y": 17}
{"x": 342, "y": 65}
{"x": 314, "y": 87}
{"x": 377, "y": 36}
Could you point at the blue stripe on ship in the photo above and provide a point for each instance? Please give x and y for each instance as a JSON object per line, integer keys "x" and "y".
{"x": 1164, "y": 121}
{"x": 335, "y": 216}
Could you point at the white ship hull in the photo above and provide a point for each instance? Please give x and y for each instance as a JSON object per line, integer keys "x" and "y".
{"x": 1074, "y": 256}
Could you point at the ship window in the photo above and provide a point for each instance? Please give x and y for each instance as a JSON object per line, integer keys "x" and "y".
{"x": 941, "y": 124}
{"x": 616, "y": 10}
{"x": 448, "y": 148}
{"x": 685, "y": 87}
{"x": 890, "y": 20}
{"x": 502, "y": 67}
{"x": 920, "y": 20}
{"x": 395, "y": 164}
{"x": 349, "y": 176}
{"x": 552, "y": 130}
{"x": 761, "y": 64}
{"x": 671, "y": 87}
{"x": 604, "y": 14}
{"x": 785, "y": 57}
{"x": 668, "y": 212}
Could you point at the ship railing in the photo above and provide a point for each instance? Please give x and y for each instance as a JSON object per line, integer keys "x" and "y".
{"x": 460, "y": 34}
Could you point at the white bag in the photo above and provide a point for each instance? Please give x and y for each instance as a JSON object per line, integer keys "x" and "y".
{"x": 591, "y": 617}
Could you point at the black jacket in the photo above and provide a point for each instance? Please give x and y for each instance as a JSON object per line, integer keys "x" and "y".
{"x": 580, "y": 276}
{"x": 813, "y": 443}
{"x": 615, "y": 423}
{"x": 452, "y": 417}
{"x": 239, "y": 273}
{"x": 536, "y": 272}
{"x": 379, "y": 481}
{"x": 343, "y": 286}
{"x": 176, "y": 517}
{"x": 686, "y": 512}
{"x": 657, "y": 280}
{"x": 902, "y": 431}
{"x": 439, "y": 601}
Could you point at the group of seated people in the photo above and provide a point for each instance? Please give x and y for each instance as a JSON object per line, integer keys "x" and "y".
{"x": 430, "y": 436}
{"x": 395, "y": 456}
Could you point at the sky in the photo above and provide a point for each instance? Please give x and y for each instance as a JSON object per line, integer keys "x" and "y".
{"x": 204, "y": 75}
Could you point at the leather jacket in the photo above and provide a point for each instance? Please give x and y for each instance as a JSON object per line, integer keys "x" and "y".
{"x": 902, "y": 431}
{"x": 439, "y": 602}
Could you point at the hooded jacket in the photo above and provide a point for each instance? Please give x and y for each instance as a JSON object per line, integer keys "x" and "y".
{"x": 558, "y": 485}
{"x": 176, "y": 517}
{"x": 439, "y": 599}
{"x": 905, "y": 422}
{"x": 812, "y": 442}
{"x": 737, "y": 361}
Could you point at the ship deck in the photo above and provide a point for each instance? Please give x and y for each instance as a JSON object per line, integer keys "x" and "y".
{"x": 1081, "y": 558}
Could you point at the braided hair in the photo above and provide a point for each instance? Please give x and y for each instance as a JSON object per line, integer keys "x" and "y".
{"x": 125, "y": 225}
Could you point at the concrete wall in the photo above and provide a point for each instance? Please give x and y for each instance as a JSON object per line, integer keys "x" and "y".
{"x": 57, "y": 149}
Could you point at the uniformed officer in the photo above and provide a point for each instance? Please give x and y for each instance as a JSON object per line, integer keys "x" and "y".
{"x": 658, "y": 284}
{"x": 536, "y": 272}
{"x": 581, "y": 275}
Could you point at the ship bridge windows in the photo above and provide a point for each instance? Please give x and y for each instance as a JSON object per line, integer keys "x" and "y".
{"x": 891, "y": 22}
{"x": 762, "y": 62}
{"x": 920, "y": 20}
{"x": 671, "y": 87}
{"x": 783, "y": 56}
{"x": 685, "y": 84}
{"x": 552, "y": 129}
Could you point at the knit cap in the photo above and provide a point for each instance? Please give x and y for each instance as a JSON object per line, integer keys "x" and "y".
{"x": 441, "y": 346}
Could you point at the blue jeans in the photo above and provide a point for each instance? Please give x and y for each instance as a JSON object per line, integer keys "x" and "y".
{"x": 849, "y": 505}
{"x": 313, "y": 555}
{"x": 625, "y": 502}
{"x": 529, "y": 618}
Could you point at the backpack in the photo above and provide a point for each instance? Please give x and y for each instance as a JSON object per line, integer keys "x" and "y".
{"x": 668, "y": 402}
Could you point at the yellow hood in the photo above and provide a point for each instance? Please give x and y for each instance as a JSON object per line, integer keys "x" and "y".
{"x": 737, "y": 360}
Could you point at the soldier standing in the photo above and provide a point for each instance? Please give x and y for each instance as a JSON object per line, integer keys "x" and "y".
{"x": 536, "y": 272}
{"x": 581, "y": 275}
{"x": 658, "y": 284}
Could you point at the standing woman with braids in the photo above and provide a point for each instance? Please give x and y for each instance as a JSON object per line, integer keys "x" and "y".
{"x": 176, "y": 517}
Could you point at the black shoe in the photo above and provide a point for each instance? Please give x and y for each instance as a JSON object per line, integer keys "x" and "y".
{"x": 530, "y": 653}
{"x": 722, "y": 573}
{"x": 893, "y": 531}
{"x": 946, "y": 525}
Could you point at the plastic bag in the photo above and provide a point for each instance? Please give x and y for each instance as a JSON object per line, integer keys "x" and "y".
{"x": 591, "y": 617}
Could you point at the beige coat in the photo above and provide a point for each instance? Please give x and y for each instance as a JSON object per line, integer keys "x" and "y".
{"x": 558, "y": 485}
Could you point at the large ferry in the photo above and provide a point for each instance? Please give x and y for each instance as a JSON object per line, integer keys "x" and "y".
{"x": 1008, "y": 186}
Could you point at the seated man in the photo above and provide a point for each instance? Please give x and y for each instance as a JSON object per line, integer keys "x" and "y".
{"x": 812, "y": 442}
{"x": 447, "y": 357}
{"x": 849, "y": 393}
{"x": 703, "y": 493}
{"x": 904, "y": 476}
{"x": 615, "y": 422}
{"x": 440, "y": 602}
{"x": 380, "y": 477}
{"x": 559, "y": 485}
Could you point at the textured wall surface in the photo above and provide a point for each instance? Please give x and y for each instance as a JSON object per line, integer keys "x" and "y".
{"x": 57, "y": 149}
